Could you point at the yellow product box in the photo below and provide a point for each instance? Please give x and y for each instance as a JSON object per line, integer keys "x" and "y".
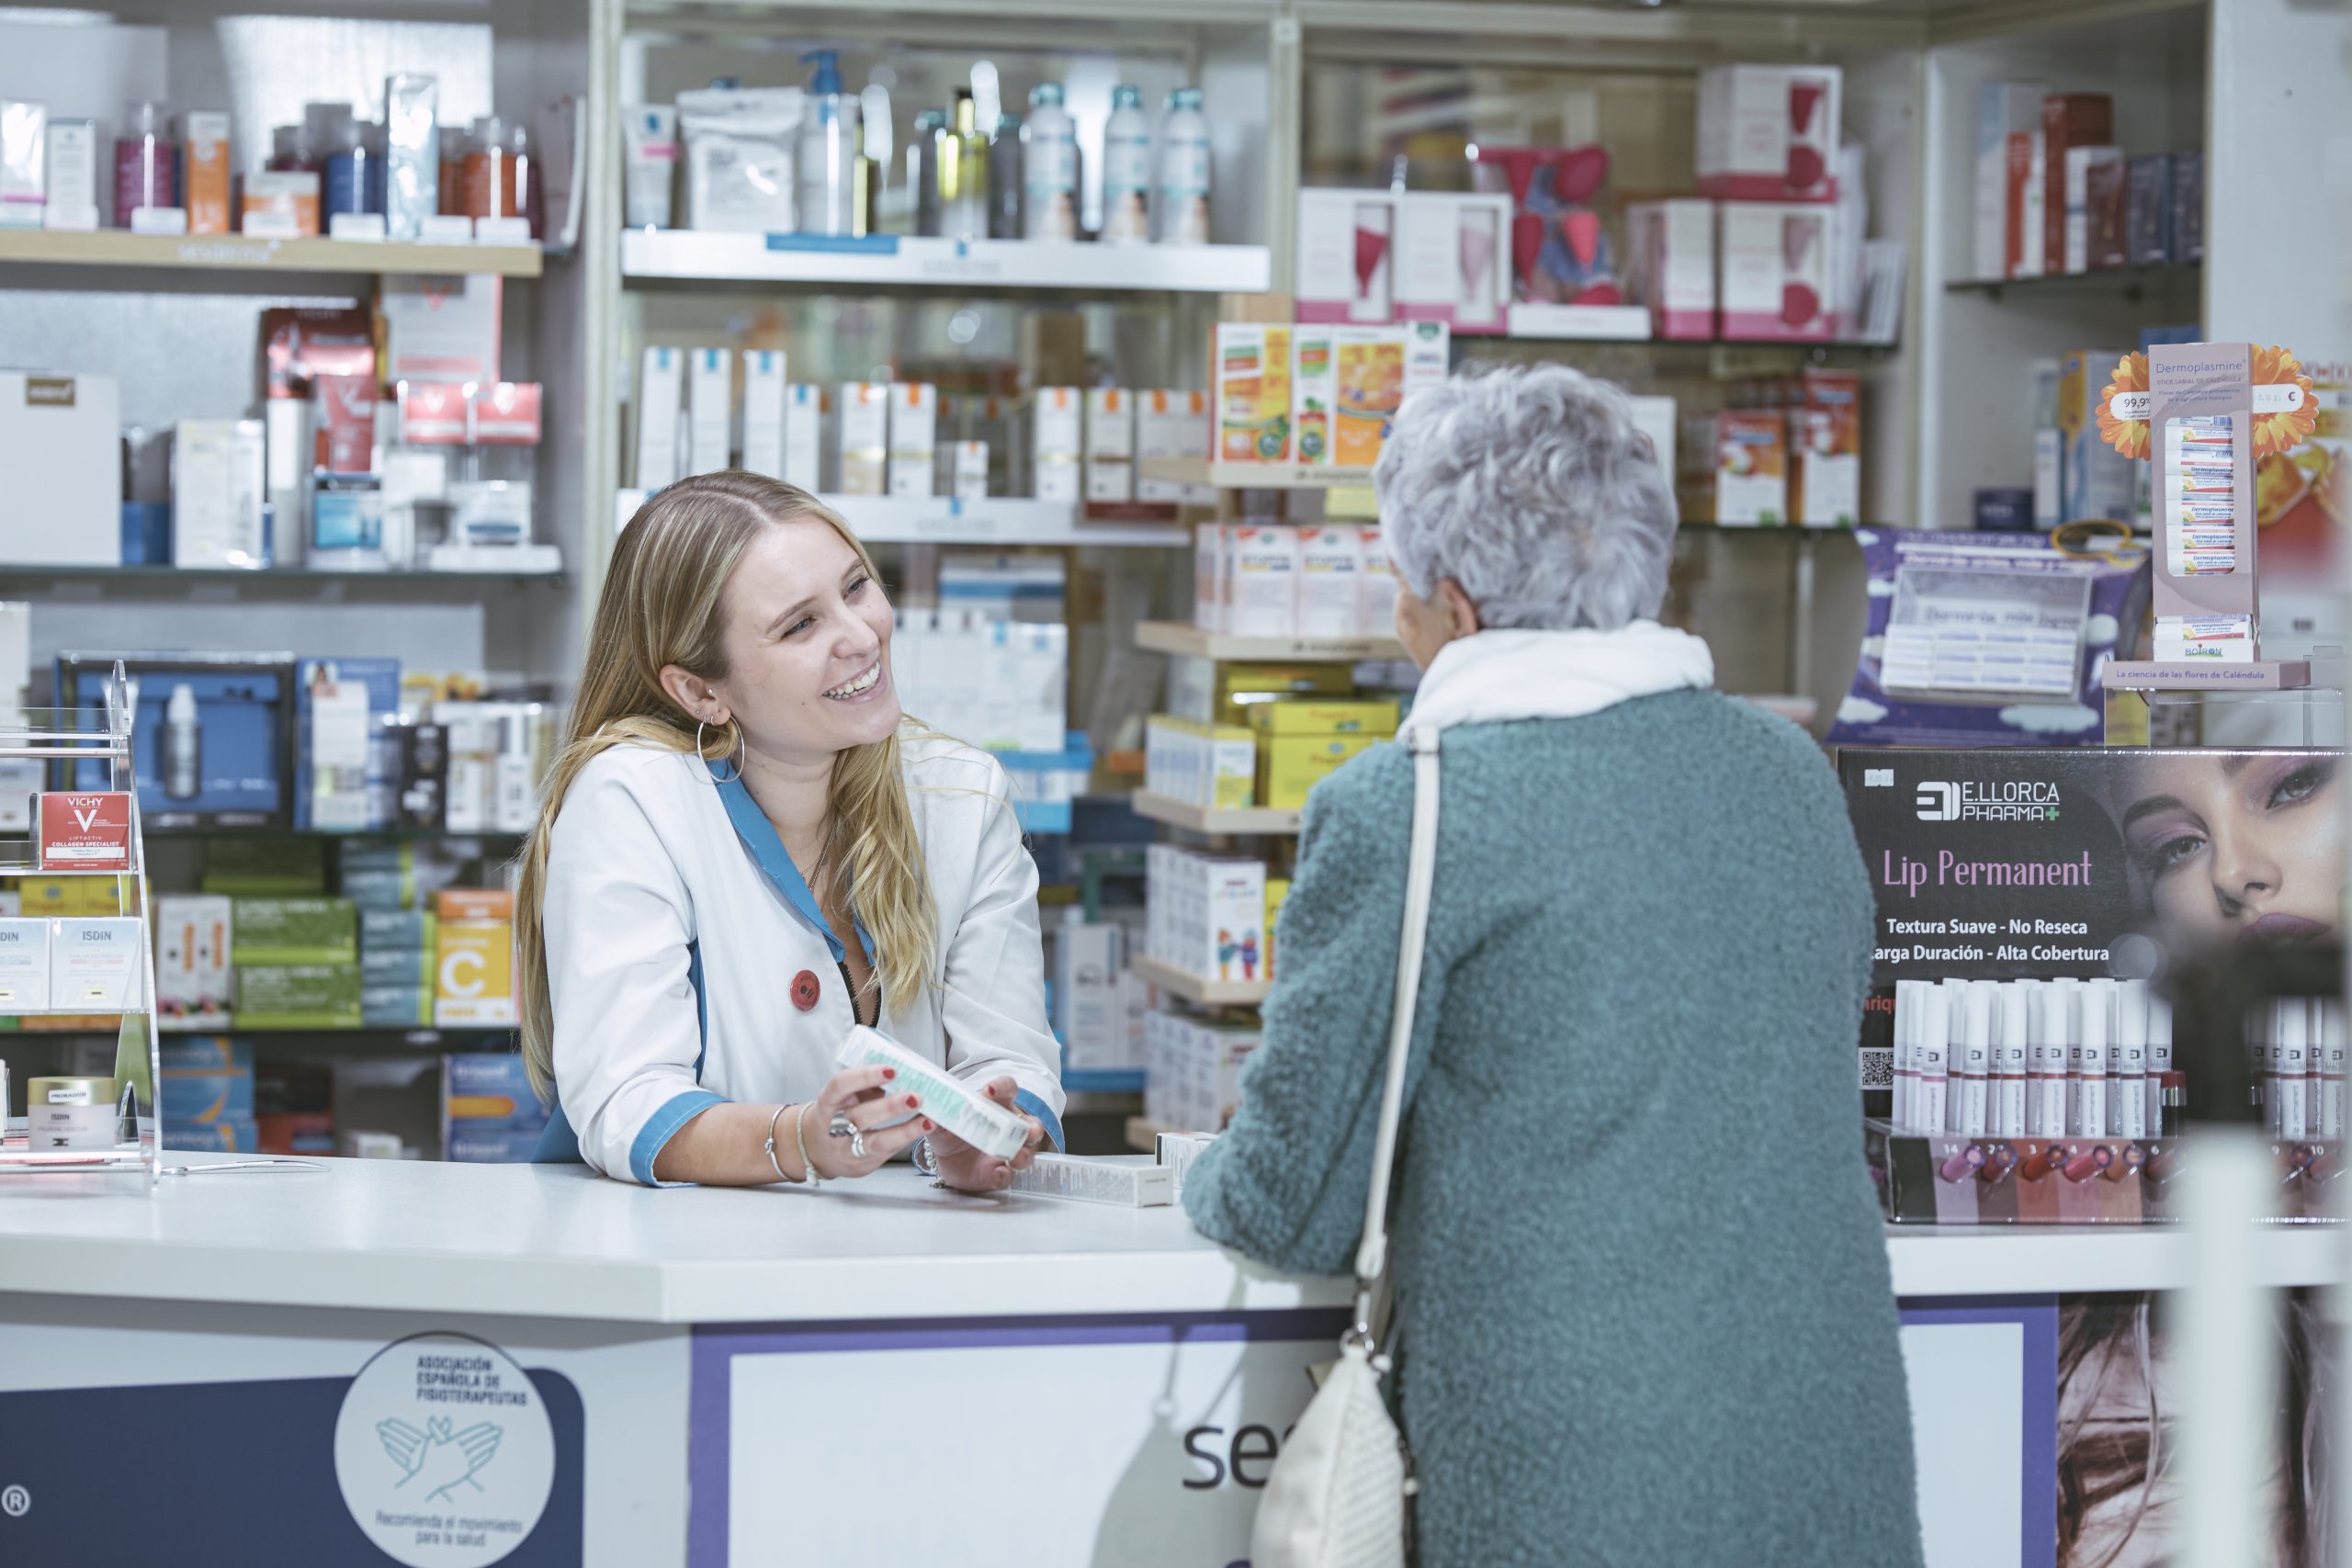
{"x": 1288, "y": 766}
{"x": 1314, "y": 387}
{"x": 69, "y": 897}
{"x": 475, "y": 959}
{"x": 1212, "y": 765}
{"x": 1253, "y": 412}
{"x": 1297, "y": 717}
{"x": 1242, "y": 687}
{"x": 1368, "y": 364}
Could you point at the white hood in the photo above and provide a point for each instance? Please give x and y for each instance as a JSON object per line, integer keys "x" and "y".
{"x": 1493, "y": 677}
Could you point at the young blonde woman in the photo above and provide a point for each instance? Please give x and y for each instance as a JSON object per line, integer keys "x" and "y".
{"x": 745, "y": 848}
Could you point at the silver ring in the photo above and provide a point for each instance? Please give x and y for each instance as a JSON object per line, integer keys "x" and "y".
{"x": 841, "y": 1126}
{"x": 925, "y": 1160}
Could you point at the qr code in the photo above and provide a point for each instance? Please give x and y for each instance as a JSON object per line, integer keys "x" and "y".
{"x": 1878, "y": 1066}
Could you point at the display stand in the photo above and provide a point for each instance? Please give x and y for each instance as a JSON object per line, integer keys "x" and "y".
{"x": 67, "y": 735}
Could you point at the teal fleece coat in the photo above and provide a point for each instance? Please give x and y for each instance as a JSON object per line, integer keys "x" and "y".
{"x": 1643, "y": 1306}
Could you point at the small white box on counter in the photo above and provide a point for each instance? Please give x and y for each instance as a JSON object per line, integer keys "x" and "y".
{"x": 1121, "y": 1183}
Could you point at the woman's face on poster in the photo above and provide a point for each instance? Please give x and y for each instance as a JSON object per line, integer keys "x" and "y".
{"x": 2246, "y": 847}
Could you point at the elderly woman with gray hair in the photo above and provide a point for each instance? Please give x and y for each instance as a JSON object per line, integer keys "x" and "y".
{"x": 1644, "y": 1312}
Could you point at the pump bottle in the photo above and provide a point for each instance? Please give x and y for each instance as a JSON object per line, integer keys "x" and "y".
{"x": 826, "y": 157}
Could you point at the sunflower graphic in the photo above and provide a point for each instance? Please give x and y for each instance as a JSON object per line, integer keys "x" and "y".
{"x": 2128, "y": 436}
{"x": 2276, "y": 434}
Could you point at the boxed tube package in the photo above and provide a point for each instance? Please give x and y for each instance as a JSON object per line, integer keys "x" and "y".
{"x": 710, "y": 409}
{"x": 82, "y": 831}
{"x": 1768, "y": 132}
{"x": 94, "y": 965}
{"x": 764, "y": 405}
{"x": 1060, "y": 413}
{"x": 24, "y": 965}
{"x": 205, "y": 187}
{"x": 2093, "y": 232}
{"x": 914, "y": 439}
{"x": 294, "y": 931}
{"x": 1773, "y": 264}
{"x": 476, "y": 976}
{"x": 956, "y": 1106}
{"x": 866, "y": 438}
{"x": 660, "y": 397}
{"x": 219, "y": 481}
{"x": 2069, "y": 120}
{"x": 194, "y": 936}
{"x": 804, "y": 437}
{"x": 298, "y": 995}
{"x": 2096, "y": 481}
{"x": 1122, "y": 1182}
{"x": 1110, "y": 444}
{"x": 1346, "y": 255}
{"x": 1253, "y": 375}
{"x": 72, "y": 176}
{"x": 1453, "y": 259}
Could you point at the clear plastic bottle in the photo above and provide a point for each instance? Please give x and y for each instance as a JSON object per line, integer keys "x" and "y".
{"x": 487, "y": 171}
{"x": 923, "y": 170}
{"x": 826, "y": 156}
{"x": 1182, "y": 210}
{"x": 145, "y": 162}
{"x": 1048, "y": 167}
{"x": 1126, "y": 169}
{"x": 1004, "y": 179}
{"x": 964, "y": 174}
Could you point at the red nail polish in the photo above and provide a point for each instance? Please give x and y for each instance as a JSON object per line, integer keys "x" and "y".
{"x": 889, "y": 1073}
{"x": 929, "y": 1126}
{"x": 913, "y": 1101}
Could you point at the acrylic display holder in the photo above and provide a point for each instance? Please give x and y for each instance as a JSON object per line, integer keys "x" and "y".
{"x": 1946, "y": 1179}
{"x": 73, "y": 736}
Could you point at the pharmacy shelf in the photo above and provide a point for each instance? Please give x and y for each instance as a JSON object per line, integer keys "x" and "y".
{"x": 268, "y": 577}
{"x": 1188, "y": 641}
{"x": 1252, "y": 475}
{"x": 651, "y": 255}
{"x": 997, "y": 520}
{"x": 342, "y": 836}
{"x": 1204, "y": 820}
{"x": 2068, "y": 282}
{"x": 1198, "y": 989}
{"x": 241, "y": 252}
{"x": 395, "y": 1034}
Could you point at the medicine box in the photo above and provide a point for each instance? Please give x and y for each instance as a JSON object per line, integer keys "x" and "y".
{"x": 1210, "y": 765}
{"x": 1768, "y": 132}
{"x": 803, "y": 436}
{"x": 1346, "y": 257}
{"x": 1376, "y": 586}
{"x": 2096, "y": 481}
{"x": 1453, "y": 259}
{"x": 24, "y": 965}
{"x": 82, "y": 831}
{"x": 1260, "y": 596}
{"x": 444, "y": 329}
{"x": 710, "y": 409}
{"x": 1775, "y": 282}
{"x": 489, "y": 1112}
{"x": 1121, "y": 1182}
{"x": 94, "y": 965}
{"x": 1825, "y": 440}
{"x": 1209, "y": 913}
{"x": 660, "y": 398}
{"x": 1192, "y": 1077}
{"x": 294, "y": 931}
{"x": 298, "y": 995}
{"x": 1330, "y": 572}
{"x": 1291, "y": 765}
{"x": 72, "y": 176}
{"x": 1059, "y": 416}
{"x": 475, "y": 983}
{"x": 219, "y": 485}
{"x": 1088, "y": 956}
{"x": 1171, "y": 424}
{"x": 24, "y": 163}
{"x": 2068, "y": 120}
{"x": 955, "y": 1105}
{"x": 343, "y": 706}
{"x": 1252, "y": 376}
{"x": 1751, "y": 483}
{"x": 60, "y": 445}
{"x": 1369, "y": 379}
{"x": 914, "y": 439}
{"x": 865, "y": 438}
{"x": 1110, "y": 444}
{"x": 206, "y": 1093}
{"x": 1672, "y": 266}
{"x": 194, "y": 939}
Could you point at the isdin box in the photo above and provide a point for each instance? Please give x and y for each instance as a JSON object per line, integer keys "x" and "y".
{"x": 24, "y": 965}
{"x": 92, "y": 964}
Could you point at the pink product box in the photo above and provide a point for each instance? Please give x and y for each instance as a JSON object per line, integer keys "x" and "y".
{"x": 1673, "y": 245}
{"x": 1775, "y": 277}
{"x": 1768, "y": 132}
{"x": 1347, "y": 256}
{"x": 1453, "y": 260}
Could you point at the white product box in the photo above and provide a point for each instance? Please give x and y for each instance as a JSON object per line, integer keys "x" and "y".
{"x": 1210, "y": 580}
{"x": 1199, "y": 762}
{"x": 1428, "y": 356}
{"x": 1059, "y": 415}
{"x": 1110, "y": 444}
{"x": 72, "y": 175}
{"x": 1673, "y": 265}
{"x": 2004, "y": 109}
{"x": 61, "y": 447}
{"x": 2080, "y": 162}
{"x": 1172, "y": 424}
{"x": 1315, "y": 391}
{"x": 1330, "y": 578}
{"x": 24, "y": 163}
{"x": 954, "y": 1104}
{"x": 1262, "y": 580}
{"x": 966, "y": 463}
{"x": 24, "y": 965}
{"x": 1777, "y": 283}
{"x": 1453, "y": 260}
{"x": 865, "y": 438}
{"x": 443, "y": 329}
{"x": 1768, "y": 132}
{"x": 914, "y": 439}
{"x": 1347, "y": 242}
{"x": 92, "y": 964}
{"x": 803, "y": 436}
{"x": 1122, "y": 1182}
{"x": 661, "y": 398}
{"x": 1376, "y": 586}
{"x": 763, "y": 386}
{"x": 1175, "y": 1152}
{"x": 710, "y": 409}
{"x": 220, "y": 481}
{"x": 1192, "y": 1078}
{"x": 194, "y": 939}
{"x": 1214, "y": 911}
{"x": 1088, "y": 958}
{"x": 1027, "y": 686}
{"x": 1655, "y": 417}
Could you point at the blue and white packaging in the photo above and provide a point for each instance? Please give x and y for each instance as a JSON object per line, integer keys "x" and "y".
{"x": 340, "y": 768}
{"x": 489, "y": 1113}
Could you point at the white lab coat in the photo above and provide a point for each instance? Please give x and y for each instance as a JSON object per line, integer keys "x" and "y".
{"x": 655, "y": 883}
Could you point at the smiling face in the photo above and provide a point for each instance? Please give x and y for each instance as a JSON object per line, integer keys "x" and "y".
{"x": 2249, "y": 850}
{"x": 808, "y": 642}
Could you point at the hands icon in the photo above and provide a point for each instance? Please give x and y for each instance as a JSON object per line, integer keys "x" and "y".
{"x": 441, "y": 1458}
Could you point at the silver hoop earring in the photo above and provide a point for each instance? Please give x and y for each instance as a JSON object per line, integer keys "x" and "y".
{"x": 735, "y": 752}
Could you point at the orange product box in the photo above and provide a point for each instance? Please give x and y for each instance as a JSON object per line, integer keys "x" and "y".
{"x": 1254, "y": 412}
{"x": 1751, "y": 478}
{"x": 83, "y": 832}
{"x": 204, "y": 145}
{"x": 1371, "y": 374}
{"x": 474, "y": 904}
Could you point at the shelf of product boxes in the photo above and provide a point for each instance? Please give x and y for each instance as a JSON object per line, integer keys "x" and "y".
{"x": 120, "y": 247}
{"x": 1235, "y": 821}
{"x": 2099, "y": 277}
{"x": 274, "y": 577}
{"x": 994, "y": 520}
{"x": 1198, "y": 989}
{"x": 1191, "y": 641}
{"x": 1252, "y": 475}
{"x": 909, "y": 260}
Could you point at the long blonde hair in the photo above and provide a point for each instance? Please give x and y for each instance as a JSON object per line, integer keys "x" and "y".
{"x": 661, "y": 605}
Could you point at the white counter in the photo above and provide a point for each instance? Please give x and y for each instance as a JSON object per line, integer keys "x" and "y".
{"x": 556, "y": 1241}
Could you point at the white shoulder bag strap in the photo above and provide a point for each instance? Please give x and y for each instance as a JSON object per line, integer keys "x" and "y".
{"x": 1337, "y": 1496}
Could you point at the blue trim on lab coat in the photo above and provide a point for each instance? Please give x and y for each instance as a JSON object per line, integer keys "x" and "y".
{"x": 558, "y": 1145}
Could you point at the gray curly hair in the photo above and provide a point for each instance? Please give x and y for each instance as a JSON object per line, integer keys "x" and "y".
{"x": 1530, "y": 487}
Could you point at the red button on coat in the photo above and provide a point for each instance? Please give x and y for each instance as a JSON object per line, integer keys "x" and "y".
{"x": 804, "y": 990}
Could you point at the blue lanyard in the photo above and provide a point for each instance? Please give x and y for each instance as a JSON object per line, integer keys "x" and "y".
{"x": 760, "y": 837}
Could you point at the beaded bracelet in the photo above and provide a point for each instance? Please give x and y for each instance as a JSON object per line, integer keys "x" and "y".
{"x": 801, "y": 1139}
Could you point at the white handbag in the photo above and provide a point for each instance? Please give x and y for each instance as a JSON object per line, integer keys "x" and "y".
{"x": 1338, "y": 1495}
